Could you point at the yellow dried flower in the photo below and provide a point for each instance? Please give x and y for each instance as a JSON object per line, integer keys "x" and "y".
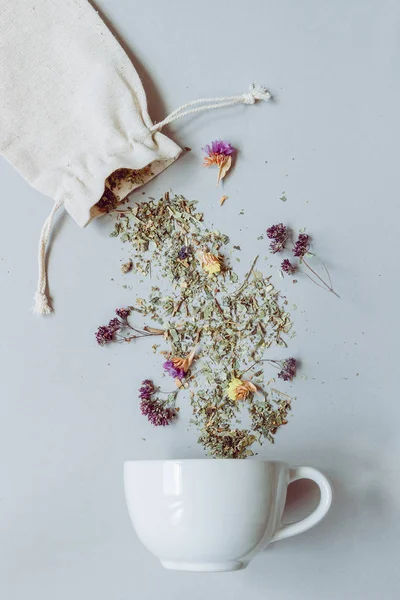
{"x": 211, "y": 263}
{"x": 240, "y": 390}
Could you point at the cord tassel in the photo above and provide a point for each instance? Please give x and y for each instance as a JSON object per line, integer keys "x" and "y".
{"x": 256, "y": 92}
{"x": 42, "y": 304}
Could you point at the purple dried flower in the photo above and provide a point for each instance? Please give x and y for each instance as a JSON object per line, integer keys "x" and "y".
{"x": 115, "y": 325}
{"x": 301, "y": 246}
{"x": 219, "y": 147}
{"x": 123, "y": 312}
{"x": 278, "y": 234}
{"x": 147, "y": 389}
{"x": 183, "y": 252}
{"x": 157, "y": 413}
{"x": 288, "y": 267}
{"x": 173, "y": 370}
{"x": 104, "y": 335}
{"x": 288, "y": 369}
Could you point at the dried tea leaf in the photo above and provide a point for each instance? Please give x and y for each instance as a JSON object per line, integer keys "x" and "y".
{"x": 238, "y": 319}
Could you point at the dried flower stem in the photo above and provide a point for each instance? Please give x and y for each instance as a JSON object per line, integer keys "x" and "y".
{"x": 325, "y": 284}
{"x": 281, "y": 393}
{"x": 246, "y": 279}
{"x": 217, "y": 304}
{"x": 268, "y": 360}
{"x": 287, "y": 367}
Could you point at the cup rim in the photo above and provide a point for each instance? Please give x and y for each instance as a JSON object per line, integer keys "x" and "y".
{"x": 203, "y": 460}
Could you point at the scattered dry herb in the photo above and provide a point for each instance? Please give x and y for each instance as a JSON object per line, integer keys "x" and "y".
{"x": 238, "y": 321}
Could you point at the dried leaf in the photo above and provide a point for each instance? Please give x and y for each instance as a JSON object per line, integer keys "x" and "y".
{"x": 224, "y": 168}
{"x": 239, "y": 319}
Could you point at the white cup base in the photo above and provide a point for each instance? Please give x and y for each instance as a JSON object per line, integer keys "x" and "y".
{"x": 204, "y": 567}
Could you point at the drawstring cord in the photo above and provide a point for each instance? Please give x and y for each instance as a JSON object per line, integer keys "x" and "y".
{"x": 42, "y": 306}
{"x": 256, "y": 92}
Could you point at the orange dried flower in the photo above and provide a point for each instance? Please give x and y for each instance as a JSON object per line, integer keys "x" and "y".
{"x": 178, "y": 367}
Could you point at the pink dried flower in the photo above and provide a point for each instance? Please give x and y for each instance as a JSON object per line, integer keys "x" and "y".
{"x": 123, "y": 312}
{"x": 174, "y": 371}
{"x": 147, "y": 389}
{"x": 219, "y": 147}
{"x": 301, "y": 246}
{"x": 219, "y": 153}
{"x": 157, "y": 413}
{"x": 288, "y": 267}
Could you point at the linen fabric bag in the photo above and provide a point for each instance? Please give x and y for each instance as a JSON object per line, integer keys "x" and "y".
{"x": 73, "y": 113}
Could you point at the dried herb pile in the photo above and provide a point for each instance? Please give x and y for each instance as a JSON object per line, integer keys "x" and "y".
{"x": 200, "y": 302}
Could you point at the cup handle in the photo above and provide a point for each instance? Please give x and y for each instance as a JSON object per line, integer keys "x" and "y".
{"x": 319, "y": 513}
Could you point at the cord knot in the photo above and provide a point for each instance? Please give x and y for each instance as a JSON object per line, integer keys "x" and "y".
{"x": 42, "y": 306}
{"x": 257, "y": 92}
{"x": 248, "y": 98}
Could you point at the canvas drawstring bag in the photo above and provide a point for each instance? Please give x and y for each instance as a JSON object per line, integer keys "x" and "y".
{"x": 73, "y": 113}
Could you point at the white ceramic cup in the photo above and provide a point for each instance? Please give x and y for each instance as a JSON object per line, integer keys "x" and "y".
{"x": 214, "y": 515}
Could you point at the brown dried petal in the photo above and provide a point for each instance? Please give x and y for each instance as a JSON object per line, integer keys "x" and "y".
{"x": 126, "y": 267}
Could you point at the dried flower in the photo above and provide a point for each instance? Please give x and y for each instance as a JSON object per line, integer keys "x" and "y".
{"x": 240, "y": 390}
{"x": 219, "y": 153}
{"x": 183, "y": 252}
{"x": 240, "y": 318}
{"x": 211, "y": 263}
{"x": 147, "y": 389}
{"x": 288, "y": 267}
{"x": 157, "y": 413}
{"x": 301, "y": 246}
{"x": 107, "y": 333}
{"x": 278, "y": 234}
{"x": 288, "y": 371}
{"x": 104, "y": 335}
{"x": 219, "y": 147}
{"x": 126, "y": 267}
{"x": 115, "y": 324}
{"x": 123, "y": 312}
{"x": 174, "y": 371}
{"x": 178, "y": 367}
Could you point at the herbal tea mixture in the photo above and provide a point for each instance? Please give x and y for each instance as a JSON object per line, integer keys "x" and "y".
{"x": 215, "y": 332}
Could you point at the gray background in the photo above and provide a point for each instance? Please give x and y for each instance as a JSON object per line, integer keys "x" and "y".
{"x": 68, "y": 410}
